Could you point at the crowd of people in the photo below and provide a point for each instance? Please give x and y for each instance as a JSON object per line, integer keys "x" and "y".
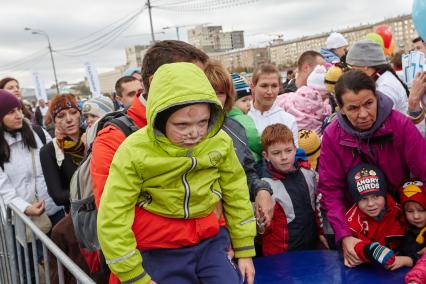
{"x": 217, "y": 168}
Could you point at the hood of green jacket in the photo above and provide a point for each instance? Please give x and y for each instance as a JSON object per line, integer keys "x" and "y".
{"x": 181, "y": 84}
{"x": 235, "y": 111}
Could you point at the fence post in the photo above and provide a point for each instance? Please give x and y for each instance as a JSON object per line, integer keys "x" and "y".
{"x": 62, "y": 259}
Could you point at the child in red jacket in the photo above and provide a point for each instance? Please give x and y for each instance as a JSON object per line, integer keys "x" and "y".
{"x": 413, "y": 202}
{"x": 295, "y": 222}
{"x": 376, "y": 219}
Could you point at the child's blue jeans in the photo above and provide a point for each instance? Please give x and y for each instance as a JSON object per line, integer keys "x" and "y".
{"x": 206, "y": 263}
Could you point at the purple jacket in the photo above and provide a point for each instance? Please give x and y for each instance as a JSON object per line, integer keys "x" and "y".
{"x": 393, "y": 144}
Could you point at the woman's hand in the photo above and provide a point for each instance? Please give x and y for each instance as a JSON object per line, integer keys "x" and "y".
{"x": 348, "y": 245}
{"x": 264, "y": 206}
{"x": 418, "y": 89}
{"x": 35, "y": 209}
{"x": 247, "y": 269}
{"x": 59, "y": 133}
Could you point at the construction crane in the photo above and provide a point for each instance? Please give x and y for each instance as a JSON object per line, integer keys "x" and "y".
{"x": 183, "y": 26}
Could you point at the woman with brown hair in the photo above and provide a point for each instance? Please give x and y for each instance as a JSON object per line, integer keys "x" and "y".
{"x": 12, "y": 86}
{"x": 61, "y": 157}
{"x": 260, "y": 191}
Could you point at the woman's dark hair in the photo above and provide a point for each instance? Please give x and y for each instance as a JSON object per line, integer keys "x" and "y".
{"x": 380, "y": 69}
{"x": 6, "y": 80}
{"x": 27, "y": 137}
{"x": 355, "y": 81}
{"x": 168, "y": 51}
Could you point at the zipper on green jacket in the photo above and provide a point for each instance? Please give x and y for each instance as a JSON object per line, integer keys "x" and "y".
{"x": 187, "y": 189}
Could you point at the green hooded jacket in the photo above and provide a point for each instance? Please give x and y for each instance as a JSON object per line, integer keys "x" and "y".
{"x": 172, "y": 181}
{"x": 252, "y": 133}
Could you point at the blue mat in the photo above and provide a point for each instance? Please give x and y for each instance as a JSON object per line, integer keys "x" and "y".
{"x": 320, "y": 267}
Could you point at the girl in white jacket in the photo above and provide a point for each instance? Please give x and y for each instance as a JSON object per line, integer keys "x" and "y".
{"x": 19, "y": 143}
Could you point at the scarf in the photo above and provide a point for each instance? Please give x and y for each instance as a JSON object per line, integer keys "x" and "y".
{"x": 69, "y": 147}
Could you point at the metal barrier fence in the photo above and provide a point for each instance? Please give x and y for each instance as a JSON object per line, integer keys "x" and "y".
{"x": 15, "y": 252}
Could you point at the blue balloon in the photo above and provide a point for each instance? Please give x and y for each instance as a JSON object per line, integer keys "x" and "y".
{"x": 419, "y": 17}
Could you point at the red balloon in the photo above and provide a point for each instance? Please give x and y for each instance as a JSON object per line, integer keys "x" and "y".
{"x": 386, "y": 33}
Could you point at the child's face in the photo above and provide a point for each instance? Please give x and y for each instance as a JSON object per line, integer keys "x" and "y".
{"x": 90, "y": 119}
{"x": 244, "y": 104}
{"x": 188, "y": 126}
{"x": 415, "y": 214}
{"x": 281, "y": 155}
{"x": 372, "y": 205}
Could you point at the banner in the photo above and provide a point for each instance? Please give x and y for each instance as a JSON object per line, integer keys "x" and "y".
{"x": 412, "y": 63}
{"x": 40, "y": 90}
{"x": 92, "y": 77}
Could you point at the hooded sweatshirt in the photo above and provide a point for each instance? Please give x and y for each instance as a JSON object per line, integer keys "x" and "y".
{"x": 172, "y": 181}
{"x": 393, "y": 144}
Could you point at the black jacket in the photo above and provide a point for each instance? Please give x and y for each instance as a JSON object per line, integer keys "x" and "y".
{"x": 409, "y": 246}
{"x": 57, "y": 177}
{"x": 238, "y": 134}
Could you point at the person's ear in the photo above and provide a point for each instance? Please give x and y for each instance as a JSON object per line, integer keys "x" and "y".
{"x": 265, "y": 156}
{"x": 306, "y": 68}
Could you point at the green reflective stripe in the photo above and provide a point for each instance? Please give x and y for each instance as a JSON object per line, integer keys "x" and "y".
{"x": 187, "y": 189}
{"x": 112, "y": 261}
{"x": 217, "y": 193}
{"x": 248, "y": 220}
{"x": 244, "y": 248}
{"x": 140, "y": 276}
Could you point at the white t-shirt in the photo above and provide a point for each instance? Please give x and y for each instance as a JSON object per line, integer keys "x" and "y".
{"x": 272, "y": 116}
{"x": 389, "y": 85}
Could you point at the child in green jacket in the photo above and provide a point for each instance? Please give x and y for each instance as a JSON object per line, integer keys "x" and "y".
{"x": 239, "y": 112}
{"x": 177, "y": 169}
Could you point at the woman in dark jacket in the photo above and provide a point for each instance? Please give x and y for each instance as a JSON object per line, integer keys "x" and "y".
{"x": 61, "y": 157}
{"x": 260, "y": 191}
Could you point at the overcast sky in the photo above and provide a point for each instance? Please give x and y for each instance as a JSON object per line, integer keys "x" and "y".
{"x": 66, "y": 22}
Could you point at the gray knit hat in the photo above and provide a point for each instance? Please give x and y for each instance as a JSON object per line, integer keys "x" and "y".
{"x": 98, "y": 106}
{"x": 366, "y": 53}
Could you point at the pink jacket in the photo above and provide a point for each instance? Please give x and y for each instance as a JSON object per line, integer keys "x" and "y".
{"x": 307, "y": 106}
{"x": 418, "y": 273}
{"x": 393, "y": 144}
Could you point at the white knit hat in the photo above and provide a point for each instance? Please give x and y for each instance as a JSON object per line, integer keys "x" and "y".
{"x": 98, "y": 106}
{"x": 336, "y": 40}
{"x": 316, "y": 80}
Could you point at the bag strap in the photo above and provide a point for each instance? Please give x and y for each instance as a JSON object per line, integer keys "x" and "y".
{"x": 34, "y": 174}
{"x": 40, "y": 133}
{"x": 125, "y": 124}
{"x": 78, "y": 183}
{"x": 363, "y": 156}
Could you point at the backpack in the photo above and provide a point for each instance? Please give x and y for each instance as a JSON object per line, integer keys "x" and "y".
{"x": 83, "y": 208}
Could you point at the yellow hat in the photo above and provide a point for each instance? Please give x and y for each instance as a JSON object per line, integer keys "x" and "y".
{"x": 311, "y": 143}
{"x": 333, "y": 74}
